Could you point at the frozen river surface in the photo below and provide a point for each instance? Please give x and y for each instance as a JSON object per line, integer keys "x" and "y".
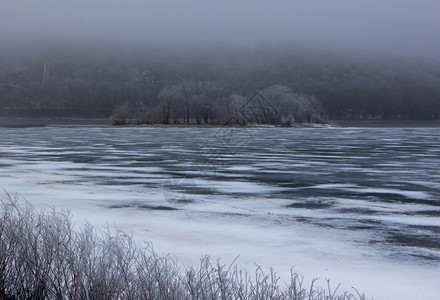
{"x": 358, "y": 205}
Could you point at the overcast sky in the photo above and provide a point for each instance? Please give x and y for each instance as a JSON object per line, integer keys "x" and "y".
{"x": 407, "y": 27}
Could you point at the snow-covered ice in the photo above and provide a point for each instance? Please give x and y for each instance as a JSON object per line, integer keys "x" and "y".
{"x": 358, "y": 206}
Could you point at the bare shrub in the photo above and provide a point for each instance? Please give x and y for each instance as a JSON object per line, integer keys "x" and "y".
{"x": 43, "y": 257}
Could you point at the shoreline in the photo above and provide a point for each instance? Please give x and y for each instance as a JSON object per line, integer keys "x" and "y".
{"x": 104, "y": 123}
{"x": 21, "y": 122}
{"x": 194, "y": 126}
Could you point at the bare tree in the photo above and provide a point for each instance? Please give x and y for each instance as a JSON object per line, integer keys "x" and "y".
{"x": 294, "y": 107}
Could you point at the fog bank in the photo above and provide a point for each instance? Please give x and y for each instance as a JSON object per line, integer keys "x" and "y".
{"x": 378, "y": 27}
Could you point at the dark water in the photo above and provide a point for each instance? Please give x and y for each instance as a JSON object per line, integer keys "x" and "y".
{"x": 384, "y": 181}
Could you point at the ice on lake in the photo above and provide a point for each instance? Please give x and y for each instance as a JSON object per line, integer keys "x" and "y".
{"x": 358, "y": 205}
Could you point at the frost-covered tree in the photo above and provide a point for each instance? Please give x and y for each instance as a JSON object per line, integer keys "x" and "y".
{"x": 293, "y": 107}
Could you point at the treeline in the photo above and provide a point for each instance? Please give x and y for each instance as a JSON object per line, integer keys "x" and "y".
{"x": 42, "y": 256}
{"x": 191, "y": 102}
{"x": 173, "y": 86}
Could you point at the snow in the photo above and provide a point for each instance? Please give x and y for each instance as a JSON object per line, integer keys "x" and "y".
{"x": 237, "y": 215}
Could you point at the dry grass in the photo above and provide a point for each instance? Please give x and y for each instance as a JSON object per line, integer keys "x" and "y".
{"x": 43, "y": 257}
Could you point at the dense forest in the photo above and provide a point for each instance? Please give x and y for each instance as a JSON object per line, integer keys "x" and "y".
{"x": 209, "y": 86}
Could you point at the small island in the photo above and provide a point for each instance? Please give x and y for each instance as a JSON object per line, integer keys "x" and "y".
{"x": 205, "y": 104}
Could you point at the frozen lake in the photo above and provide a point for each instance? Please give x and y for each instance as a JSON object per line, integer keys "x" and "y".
{"x": 358, "y": 205}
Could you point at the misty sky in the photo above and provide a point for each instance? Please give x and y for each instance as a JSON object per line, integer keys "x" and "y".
{"x": 407, "y": 27}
